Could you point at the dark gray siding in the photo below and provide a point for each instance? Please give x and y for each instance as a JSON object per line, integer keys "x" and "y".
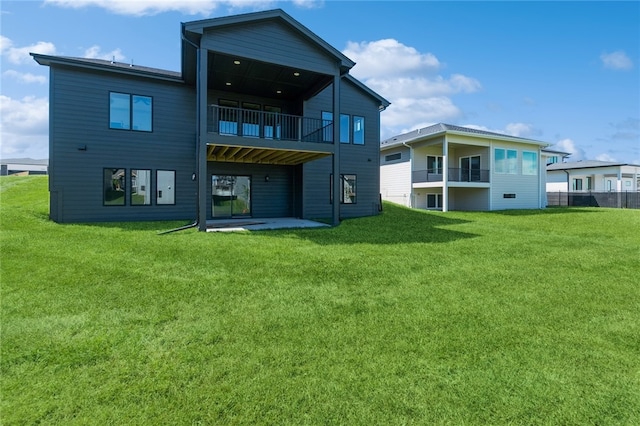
{"x": 275, "y": 198}
{"x": 360, "y": 160}
{"x": 79, "y": 117}
{"x": 272, "y": 42}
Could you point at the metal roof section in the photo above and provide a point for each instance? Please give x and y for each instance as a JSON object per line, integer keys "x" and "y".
{"x": 442, "y": 128}
{"x": 587, "y": 164}
{"x": 111, "y": 66}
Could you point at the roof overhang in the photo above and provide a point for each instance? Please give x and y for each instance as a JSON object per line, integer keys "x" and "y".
{"x": 109, "y": 66}
{"x": 230, "y": 153}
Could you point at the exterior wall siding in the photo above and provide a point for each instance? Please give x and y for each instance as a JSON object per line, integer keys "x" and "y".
{"x": 395, "y": 178}
{"x": 79, "y": 114}
{"x": 359, "y": 160}
{"x": 272, "y": 198}
{"x": 269, "y": 41}
{"x": 525, "y": 187}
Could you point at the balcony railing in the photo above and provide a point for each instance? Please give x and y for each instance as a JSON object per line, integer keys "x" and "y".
{"x": 248, "y": 123}
{"x": 454, "y": 175}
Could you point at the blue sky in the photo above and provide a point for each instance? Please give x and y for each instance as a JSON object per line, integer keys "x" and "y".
{"x": 566, "y": 73}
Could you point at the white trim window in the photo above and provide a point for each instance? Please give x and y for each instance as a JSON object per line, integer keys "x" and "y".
{"x": 506, "y": 161}
{"x": 529, "y": 163}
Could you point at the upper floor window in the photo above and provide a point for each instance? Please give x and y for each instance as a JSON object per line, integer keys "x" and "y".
{"x": 506, "y": 161}
{"x": 327, "y": 128}
{"x": 130, "y": 112}
{"x": 434, "y": 164}
{"x": 529, "y": 163}
{"x": 345, "y": 120}
{"x": 358, "y": 130}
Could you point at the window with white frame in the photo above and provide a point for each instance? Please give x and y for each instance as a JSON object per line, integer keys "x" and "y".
{"x": 506, "y": 161}
{"x": 529, "y": 163}
{"x": 434, "y": 164}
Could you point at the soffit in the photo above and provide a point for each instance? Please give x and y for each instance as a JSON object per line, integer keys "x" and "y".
{"x": 258, "y": 155}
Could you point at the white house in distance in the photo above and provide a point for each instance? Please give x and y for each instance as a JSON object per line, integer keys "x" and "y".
{"x": 596, "y": 176}
{"x": 446, "y": 167}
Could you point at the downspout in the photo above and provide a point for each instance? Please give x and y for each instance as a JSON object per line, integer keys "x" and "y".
{"x": 194, "y": 177}
{"x": 410, "y": 173}
{"x": 445, "y": 174}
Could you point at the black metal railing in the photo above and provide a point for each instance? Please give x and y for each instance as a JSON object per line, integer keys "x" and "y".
{"x": 454, "y": 175}
{"x": 249, "y": 123}
{"x": 614, "y": 199}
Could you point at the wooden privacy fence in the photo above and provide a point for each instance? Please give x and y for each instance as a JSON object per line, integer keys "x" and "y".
{"x": 621, "y": 200}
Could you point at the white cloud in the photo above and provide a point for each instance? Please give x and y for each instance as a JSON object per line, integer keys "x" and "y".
{"x": 617, "y": 60}
{"x": 568, "y": 145}
{"x": 27, "y": 78}
{"x": 153, "y": 7}
{"x": 388, "y": 57}
{"x": 20, "y": 55}
{"x": 24, "y": 127}
{"x": 409, "y": 79}
{"x": 309, "y": 4}
{"x": 410, "y": 113}
{"x": 519, "y": 130}
{"x": 605, "y": 157}
{"x": 94, "y": 52}
{"x": 423, "y": 87}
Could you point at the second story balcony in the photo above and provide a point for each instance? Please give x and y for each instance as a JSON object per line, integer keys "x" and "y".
{"x": 454, "y": 175}
{"x": 250, "y": 123}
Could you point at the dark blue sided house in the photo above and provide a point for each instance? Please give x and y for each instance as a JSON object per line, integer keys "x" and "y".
{"x": 264, "y": 120}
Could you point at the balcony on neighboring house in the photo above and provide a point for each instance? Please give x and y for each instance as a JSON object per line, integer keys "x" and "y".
{"x": 254, "y": 123}
{"x": 454, "y": 175}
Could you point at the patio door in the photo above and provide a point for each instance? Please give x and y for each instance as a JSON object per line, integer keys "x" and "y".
{"x": 470, "y": 169}
{"x": 230, "y": 196}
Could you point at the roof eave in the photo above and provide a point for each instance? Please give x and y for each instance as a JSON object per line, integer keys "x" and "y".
{"x": 48, "y": 60}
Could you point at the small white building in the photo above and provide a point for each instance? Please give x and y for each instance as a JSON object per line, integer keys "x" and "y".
{"x": 596, "y": 176}
{"x": 23, "y": 166}
{"x": 446, "y": 167}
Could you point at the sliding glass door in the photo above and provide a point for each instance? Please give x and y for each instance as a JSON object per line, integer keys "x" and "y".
{"x": 230, "y": 196}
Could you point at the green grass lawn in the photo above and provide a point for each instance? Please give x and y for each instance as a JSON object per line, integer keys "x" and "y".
{"x": 410, "y": 317}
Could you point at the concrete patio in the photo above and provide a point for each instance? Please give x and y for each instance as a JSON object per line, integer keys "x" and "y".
{"x": 257, "y": 224}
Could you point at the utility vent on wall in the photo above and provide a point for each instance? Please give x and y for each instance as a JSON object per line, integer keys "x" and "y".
{"x": 508, "y": 195}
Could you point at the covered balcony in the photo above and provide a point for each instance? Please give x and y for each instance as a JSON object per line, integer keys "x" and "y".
{"x": 454, "y": 175}
{"x": 242, "y": 135}
{"x": 254, "y": 123}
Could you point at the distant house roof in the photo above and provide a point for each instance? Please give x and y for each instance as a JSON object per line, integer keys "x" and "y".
{"x": 587, "y": 164}
{"x": 441, "y": 129}
{"x": 105, "y": 65}
{"x": 560, "y": 153}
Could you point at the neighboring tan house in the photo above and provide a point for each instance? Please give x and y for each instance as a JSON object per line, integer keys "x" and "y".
{"x": 264, "y": 120}
{"x": 446, "y": 167}
{"x": 591, "y": 175}
{"x": 551, "y": 156}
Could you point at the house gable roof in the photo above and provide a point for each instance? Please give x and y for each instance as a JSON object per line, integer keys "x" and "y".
{"x": 442, "y": 129}
{"x": 192, "y": 32}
